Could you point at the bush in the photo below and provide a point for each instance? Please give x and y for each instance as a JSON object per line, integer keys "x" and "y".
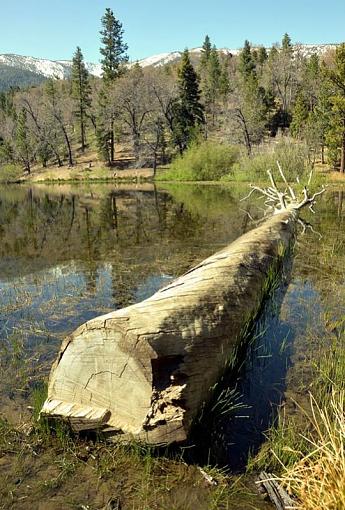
{"x": 10, "y": 173}
{"x": 208, "y": 161}
{"x": 291, "y": 156}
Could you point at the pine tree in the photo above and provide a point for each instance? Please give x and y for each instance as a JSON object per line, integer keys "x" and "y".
{"x": 22, "y": 139}
{"x": 113, "y": 49}
{"x": 81, "y": 91}
{"x": 286, "y": 43}
{"x": 212, "y": 82}
{"x": 322, "y": 113}
{"x": 262, "y": 55}
{"x": 188, "y": 110}
{"x": 299, "y": 116}
{"x": 336, "y": 132}
{"x": 246, "y": 64}
{"x": 205, "y": 52}
{"x": 114, "y": 57}
{"x": 273, "y": 54}
{"x": 224, "y": 81}
{"x": 105, "y": 128}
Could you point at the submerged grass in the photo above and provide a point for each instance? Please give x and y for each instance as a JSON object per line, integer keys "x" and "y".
{"x": 307, "y": 448}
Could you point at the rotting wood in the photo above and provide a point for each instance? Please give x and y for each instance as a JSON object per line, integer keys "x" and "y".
{"x": 278, "y": 496}
{"x": 144, "y": 371}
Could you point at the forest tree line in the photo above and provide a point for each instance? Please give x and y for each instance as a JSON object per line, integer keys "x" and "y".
{"x": 241, "y": 99}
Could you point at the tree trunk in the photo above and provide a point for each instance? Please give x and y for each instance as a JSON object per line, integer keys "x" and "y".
{"x": 144, "y": 371}
{"x": 154, "y": 166}
{"x": 342, "y": 160}
{"x": 82, "y": 129}
{"x": 322, "y": 154}
{"x": 68, "y": 144}
{"x": 112, "y": 143}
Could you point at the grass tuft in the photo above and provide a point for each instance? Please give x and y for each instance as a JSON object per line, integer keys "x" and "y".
{"x": 318, "y": 478}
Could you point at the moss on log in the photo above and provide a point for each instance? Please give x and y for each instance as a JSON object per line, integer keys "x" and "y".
{"x": 144, "y": 371}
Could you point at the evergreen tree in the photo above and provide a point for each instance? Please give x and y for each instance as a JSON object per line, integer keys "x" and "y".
{"x": 262, "y": 55}
{"x": 212, "y": 82}
{"x": 113, "y": 49}
{"x": 273, "y": 54}
{"x": 105, "y": 127}
{"x": 336, "y": 132}
{"x": 188, "y": 110}
{"x": 205, "y": 52}
{"x": 286, "y": 43}
{"x": 224, "y": 81}
{"x": 114, "y": 58}
{"x": 311, "y": 80}
{"x": 322, "y": 113}
{"x": 23, "y": 140}
{"x": 246, "y": 64}
{"x": 81, "y": 91}
{"x": 299, "y": 116}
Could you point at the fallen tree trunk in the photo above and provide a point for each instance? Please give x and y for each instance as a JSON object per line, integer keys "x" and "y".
{"x": 145, "y": 370}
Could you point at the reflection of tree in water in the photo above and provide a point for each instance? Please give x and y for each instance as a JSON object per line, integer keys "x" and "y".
{"x": 128, "y": 226}
{"x": 184, "y": 223}
{"x": 108, "y": 213}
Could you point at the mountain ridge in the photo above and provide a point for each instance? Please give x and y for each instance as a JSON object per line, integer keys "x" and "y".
{"x": 21, "y": 70}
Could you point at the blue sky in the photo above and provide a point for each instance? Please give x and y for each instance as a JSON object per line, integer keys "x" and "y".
{"x": 53, "y": 28}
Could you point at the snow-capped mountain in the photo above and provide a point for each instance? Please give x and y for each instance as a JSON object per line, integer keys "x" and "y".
{"x": 166, "y": 58}
{"x": 44, "y": 67}
{"x": 18, "y": 70}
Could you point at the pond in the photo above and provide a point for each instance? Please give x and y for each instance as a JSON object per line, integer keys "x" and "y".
{"x": 70, "y": 253}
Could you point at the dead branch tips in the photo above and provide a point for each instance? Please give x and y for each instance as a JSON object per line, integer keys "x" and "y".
{"x": 277, "y": 200}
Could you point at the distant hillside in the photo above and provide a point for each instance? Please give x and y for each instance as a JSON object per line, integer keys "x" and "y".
{"x": 21, "y": 71}
{"x": 16, "y": 77}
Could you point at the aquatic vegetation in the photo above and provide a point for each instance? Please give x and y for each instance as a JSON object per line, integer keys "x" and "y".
{"x": 44, "y": 295}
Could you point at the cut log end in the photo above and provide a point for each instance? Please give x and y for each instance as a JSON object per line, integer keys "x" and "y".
{"x": 144, "y": 371}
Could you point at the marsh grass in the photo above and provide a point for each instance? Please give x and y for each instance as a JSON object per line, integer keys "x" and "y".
{"x": 307, "y": 448}
{"x": 318, "y": 477}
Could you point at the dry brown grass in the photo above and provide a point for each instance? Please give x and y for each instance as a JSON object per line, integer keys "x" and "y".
{"x": 318, "y": 479}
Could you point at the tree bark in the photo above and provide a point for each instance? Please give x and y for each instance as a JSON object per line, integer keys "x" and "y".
{"x": 342, "y": 160}
{"x": 112, "y": 144}
{"x": 145, "y": 371}
{"x": 322, "y": 154}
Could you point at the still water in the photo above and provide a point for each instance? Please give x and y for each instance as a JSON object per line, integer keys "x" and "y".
{"x": 68, "y": 254}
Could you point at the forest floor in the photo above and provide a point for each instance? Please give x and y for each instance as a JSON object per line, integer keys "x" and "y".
{"x": 88, "y": 167}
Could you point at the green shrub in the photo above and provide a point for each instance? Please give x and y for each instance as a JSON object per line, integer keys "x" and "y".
{"x": 291, "y": 156}
{"x": 10, "y": 173}
{"x": 207, "y": 161}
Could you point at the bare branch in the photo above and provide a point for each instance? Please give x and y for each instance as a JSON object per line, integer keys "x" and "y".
{"x": 292, "y": 193}
{"x": 281, "y": 200}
